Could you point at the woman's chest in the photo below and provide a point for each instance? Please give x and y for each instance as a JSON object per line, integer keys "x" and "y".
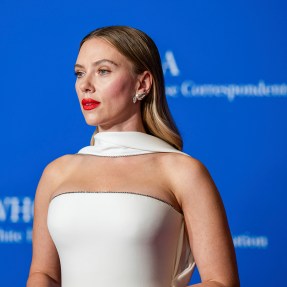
{"x": 134, "y": 174}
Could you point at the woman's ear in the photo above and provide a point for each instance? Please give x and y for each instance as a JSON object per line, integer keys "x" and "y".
{"x": 144, "y": 83}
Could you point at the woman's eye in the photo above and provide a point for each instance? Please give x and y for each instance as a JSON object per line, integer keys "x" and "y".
{"x": 79, "y": 74}
{"x": 103, "y": 71}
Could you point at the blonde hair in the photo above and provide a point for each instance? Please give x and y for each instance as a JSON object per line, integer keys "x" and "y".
{"x": 141, "y": 50}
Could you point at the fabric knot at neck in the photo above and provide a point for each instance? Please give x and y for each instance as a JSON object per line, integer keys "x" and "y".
{"x": 126, "y": 144}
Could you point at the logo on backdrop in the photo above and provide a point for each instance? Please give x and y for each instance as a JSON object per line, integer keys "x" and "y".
{"x": 188, "y": 88}
{"x": 16, "y": 217}
{"x": 244, "y": 241}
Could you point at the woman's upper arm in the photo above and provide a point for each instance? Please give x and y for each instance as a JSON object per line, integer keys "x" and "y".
{"x": 206, "y": 224}
{"x": 45, "y": 258}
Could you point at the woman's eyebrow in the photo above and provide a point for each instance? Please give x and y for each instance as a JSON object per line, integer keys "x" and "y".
{"x": 98, "y": 63}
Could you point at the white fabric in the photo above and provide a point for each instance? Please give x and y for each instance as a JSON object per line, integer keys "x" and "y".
{"x": 122, "y": 239}
{"x": 126, "y": 143}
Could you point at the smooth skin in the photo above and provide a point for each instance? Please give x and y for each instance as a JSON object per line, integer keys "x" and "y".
{"x": 105, "y": 75}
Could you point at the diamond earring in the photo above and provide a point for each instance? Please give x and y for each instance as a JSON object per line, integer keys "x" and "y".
{"x": 138, "y": 97}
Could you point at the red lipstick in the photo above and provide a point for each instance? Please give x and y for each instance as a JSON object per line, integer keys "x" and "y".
{"x": 89, "y": 104}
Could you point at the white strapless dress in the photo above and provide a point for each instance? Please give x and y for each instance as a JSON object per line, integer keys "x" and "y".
{"x": 119, "y": 239}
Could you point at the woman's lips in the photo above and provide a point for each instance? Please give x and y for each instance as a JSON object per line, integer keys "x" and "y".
{"x": 89, "y": 104}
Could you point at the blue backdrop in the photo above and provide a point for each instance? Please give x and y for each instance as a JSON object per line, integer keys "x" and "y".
{"x": 225, "y": 68}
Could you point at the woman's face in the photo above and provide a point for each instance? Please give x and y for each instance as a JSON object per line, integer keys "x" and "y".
{"x": 106, "y": 76}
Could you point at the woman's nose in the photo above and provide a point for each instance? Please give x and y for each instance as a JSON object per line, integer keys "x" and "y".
{"x": 86, "y": 85}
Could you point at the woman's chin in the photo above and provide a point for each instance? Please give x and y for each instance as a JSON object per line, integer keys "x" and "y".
{"x": 91, "y": 122}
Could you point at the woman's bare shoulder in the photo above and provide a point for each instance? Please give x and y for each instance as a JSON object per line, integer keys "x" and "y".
{"x": 183, "y": 163}
{"x": 184, "y": 173}
{"x": 60, "y": 165}
{"x": 62, "y": 161}
{"x": 56, "y": 171}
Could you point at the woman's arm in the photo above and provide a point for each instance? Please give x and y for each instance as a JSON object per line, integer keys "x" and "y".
{"x": 41, "y": 279}
{"x": 206, "y": 223}
{"x": 45, "y": 267}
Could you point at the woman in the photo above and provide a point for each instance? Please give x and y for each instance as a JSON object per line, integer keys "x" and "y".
{"x": 130, "y": 209}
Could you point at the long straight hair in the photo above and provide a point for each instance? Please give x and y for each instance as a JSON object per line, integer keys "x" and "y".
{"x": 141, "y": 50}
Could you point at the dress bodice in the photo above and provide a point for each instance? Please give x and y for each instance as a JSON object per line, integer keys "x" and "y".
{"x": 117, "y": 238}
